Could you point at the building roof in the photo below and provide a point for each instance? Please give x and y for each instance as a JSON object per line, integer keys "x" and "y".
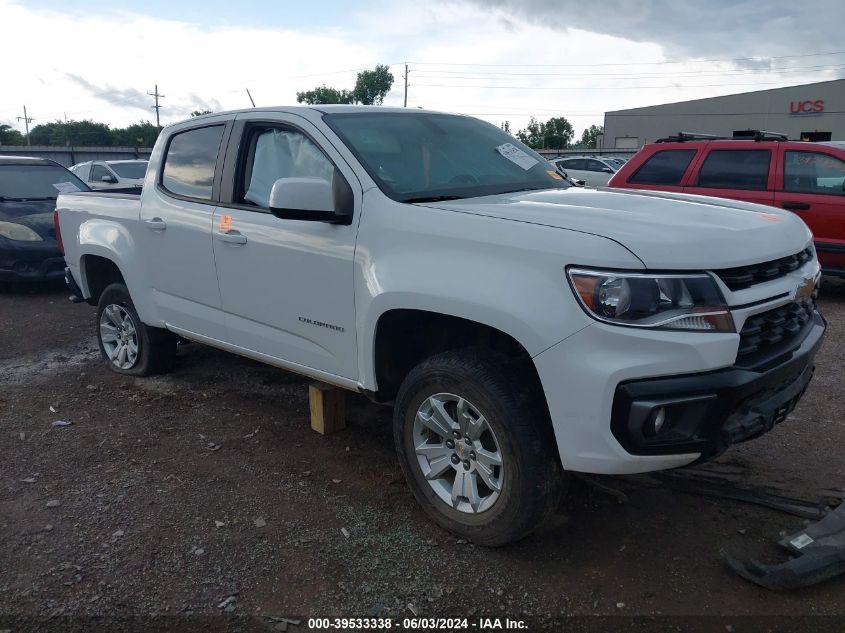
{"x": 834, "y": 83}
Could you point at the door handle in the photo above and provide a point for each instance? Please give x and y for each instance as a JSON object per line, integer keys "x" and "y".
{"x": 156, "y": 224}
{"x": 796, "y": 206}
{"x": 231, "y": 237}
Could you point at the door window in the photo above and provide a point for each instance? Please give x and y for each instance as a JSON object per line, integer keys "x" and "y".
{"x": 98, "y": 172}
{"x": 666, "y": 167}
{"x": 274, "y": 153}
{"x": 813, "y": 172}
{"x": 596, "y": 165}
{"x": 736, "y": 169}
{"x": 190, "y": 162}
{"x": 575, "y": 163}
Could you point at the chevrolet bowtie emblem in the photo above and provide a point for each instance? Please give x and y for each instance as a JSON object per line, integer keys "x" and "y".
{"x": 805, "y": 290}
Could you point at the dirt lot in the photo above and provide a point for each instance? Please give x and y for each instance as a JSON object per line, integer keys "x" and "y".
{"x": 167, "y": 495}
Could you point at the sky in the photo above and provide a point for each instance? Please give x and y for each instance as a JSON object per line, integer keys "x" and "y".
{"x": 501, "y": 60}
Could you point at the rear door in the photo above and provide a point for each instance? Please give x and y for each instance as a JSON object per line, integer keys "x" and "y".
{"x": 746, "y": 173}
{"x": 286, "y": 285}
{"x": 176, "y": 216}
{"x": 810, "y": 184}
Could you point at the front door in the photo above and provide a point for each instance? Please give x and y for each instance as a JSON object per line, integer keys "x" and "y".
{"x": 286, "y": 285}
{"x": 812, "y": 188}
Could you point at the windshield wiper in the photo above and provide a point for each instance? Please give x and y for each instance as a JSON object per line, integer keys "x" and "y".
{"x": 432, "y": 199}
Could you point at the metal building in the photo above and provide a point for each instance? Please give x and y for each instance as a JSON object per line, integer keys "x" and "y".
{"x": 812, "y": 112}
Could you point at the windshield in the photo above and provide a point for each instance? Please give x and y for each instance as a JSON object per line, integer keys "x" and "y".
{"x": 135, "y": 170}
{"x": 417, "y": 157}
{"x": 37, "y": 182}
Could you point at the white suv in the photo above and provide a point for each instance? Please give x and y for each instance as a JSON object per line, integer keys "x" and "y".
{"x": 111, "y": 174}
{"x": 594, "y": 171}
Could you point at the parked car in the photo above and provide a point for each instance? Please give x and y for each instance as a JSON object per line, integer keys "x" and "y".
{"x": 28, "y": 191}
{"x": 519, "y": 326}
{"x": 563, "y": 174}
{"x": 805, "y": 178}
{"x": 594, "y": 171}
{"x": 112, "y": 174}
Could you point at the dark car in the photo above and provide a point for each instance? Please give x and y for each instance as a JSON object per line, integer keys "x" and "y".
{"x": 28, "y": 191}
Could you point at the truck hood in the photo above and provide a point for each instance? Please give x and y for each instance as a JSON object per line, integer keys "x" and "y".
{"x": 664, "y": 230}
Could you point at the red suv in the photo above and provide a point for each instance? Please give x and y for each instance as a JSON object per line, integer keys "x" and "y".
{"x": 806, "y": 178}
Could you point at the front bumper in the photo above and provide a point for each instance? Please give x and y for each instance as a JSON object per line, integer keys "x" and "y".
{"x": 31, "y": 263}
{"x": 592, "y": 379}
{"x": 707, "y": 412}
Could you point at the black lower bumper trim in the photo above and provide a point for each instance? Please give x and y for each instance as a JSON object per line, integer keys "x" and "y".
{"x": 705, "y": 413}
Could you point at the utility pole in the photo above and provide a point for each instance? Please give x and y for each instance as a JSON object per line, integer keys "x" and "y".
{"x": 26, "y": 121}
{"x": 406, "y": 85}
{"x": 156, "y": 107}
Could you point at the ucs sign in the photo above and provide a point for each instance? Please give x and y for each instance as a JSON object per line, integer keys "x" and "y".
{"x": 806, "y": 107}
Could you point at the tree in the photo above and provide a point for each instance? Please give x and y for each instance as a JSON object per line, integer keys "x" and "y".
{"x": 556, "y": 133}
{"x": 10, "y": 136}
{"x": 141, "y": 134}
{"x": 71, "y": 133}
{"x": 201, "y": 112}
{"x": 371, "y": 87}
{"x": 589, "y": 138}
{"x": 506, "y": 127}
{"x": 324, "y": 94}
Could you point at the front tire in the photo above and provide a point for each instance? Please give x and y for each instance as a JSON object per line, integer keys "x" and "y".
{"x": 128, "y": 345}
{"x": 475, "y": 444}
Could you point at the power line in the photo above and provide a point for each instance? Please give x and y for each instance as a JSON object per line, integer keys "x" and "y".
{"x": 670, "y": 87}
{"x": 460, "y": 74}
{"x": 685, "y": 61}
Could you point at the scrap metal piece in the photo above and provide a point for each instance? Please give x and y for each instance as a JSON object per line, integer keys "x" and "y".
{"x": 821, "y": 556}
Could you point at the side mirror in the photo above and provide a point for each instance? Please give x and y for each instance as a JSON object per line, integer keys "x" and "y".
{"x": 607, "y": 170}
{"x": 310, "y": 199}
{"x": 109, "y": 179}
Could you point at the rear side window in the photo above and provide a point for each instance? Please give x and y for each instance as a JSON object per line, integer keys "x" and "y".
{"x": 574, "y": 163}
{"x": 595, "y": 165}
{"x": 814, "y": 172}
{"x": 736, "y": 169}
{"x": 666, "y": 167}
{"x": 190, "y": 161}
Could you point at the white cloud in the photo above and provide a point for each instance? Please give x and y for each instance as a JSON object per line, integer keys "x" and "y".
{"x": 101, "y": 66}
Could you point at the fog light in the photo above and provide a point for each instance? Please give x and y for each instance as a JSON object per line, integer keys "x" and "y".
{"x": 659, "y": 420}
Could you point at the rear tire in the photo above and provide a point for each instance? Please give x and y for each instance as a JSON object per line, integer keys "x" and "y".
{"x": 475, "y": 444}
{"x": 128, "y": 345}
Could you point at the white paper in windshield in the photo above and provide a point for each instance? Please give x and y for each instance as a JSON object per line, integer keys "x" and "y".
{"x": 516, "y": 155}
{"x": 65, "y": 187}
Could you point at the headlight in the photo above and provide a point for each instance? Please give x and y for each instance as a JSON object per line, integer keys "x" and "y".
{"x": 669, "y": 302}
{"x": 18, "y": 232}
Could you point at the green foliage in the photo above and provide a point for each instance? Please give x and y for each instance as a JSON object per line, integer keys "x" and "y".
{"x": 91, "y": 133}
{"x": 324, "y": 94}
{"x": 201, "y": 112}
{"x": 506, "y": 127}
{"x": 556, "y": 133}
{"x": 371, "y": 87}
{"x": 10, "y": 136}
{"x": 589, "y": 137}
{"x": 141, "y": 134}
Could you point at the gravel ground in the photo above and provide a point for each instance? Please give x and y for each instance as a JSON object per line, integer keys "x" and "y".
{"x": 203, "y": 495}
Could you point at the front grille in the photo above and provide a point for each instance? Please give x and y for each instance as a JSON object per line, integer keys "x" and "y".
{"x": 744, "y": 276}
{"x": 763, "y": 332}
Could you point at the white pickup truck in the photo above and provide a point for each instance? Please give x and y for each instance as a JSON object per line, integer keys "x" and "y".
{"x": 520, "y": 327}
